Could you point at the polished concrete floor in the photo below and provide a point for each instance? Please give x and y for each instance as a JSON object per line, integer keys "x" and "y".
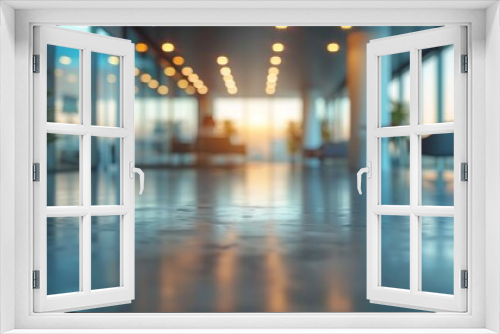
{"x": 263, "y": 238}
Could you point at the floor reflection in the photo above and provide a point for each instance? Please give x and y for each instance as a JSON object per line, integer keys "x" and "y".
{"x": 258, "y": 238}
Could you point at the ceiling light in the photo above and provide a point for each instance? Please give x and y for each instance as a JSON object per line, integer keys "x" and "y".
{"x": 281, "y": 27}
{"x": 333, "y": 47}
{"x": 169, "y": 71}
{"x": 168, "y": 47}
{"x": 145, "y": 77}
{"x": 153, "y": 84}
{"x": 203, "y": 90}
{"x": 113, "y": 60}
{"x": 225, "y": 71}
{"x": 162, "y": 90}
{"x": 222, "y": 60}
{"x": 187, "y": 71}
{"x": 193, "y": 77}
{"x": 275, "y": 60}
{"x": 141, "y": 47}
{"x": 111, "y": 78}
{"x": 345, "y": 27}
{"x": 65, "y": 60}
{"x": 272, "y": 78}
{"x": 278, "y": 47}
{"x": 182, "y": 83}
{"x": 270, "y": 90}
{"x": 274, "y": 70}
{"x": 178, "y": 60}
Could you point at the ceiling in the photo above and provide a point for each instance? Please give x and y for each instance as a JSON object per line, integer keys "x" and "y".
{"x": 306, "y": 65}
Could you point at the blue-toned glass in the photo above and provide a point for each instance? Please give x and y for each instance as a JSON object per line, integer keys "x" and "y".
{"x": 395, "y": 260}
{"x": 437, "y": 254}
{"x": 395, "y": 89}
{"x": 63, "y": 255}
{"x": 105, "y": 171}
{"x": 395, "y": 170}
{"x": 105, "y": 89}
{"x": 105, "y": 248}
{"x": 438, "y": 169}
{"x": 63, "y": 169}
{"x": 437, "y": 85}
{"x": 63, "y": 84}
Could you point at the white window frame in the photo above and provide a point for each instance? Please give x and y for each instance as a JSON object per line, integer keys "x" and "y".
{"x": 484, "y": 48}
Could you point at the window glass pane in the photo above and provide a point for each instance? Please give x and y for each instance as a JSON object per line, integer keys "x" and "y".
{"x": 395, "y": 170}
{"x": 105, "y": 252}
{"x": 395, "y": 251}
{"x": 63, "y": 255}
{"x": 437, "y": 169}
{"x": 63, "y": 169}
{"x": 63, "y": 84}
{"x": 105, "y": 89}
{"x": 395, "y": 89}
{"x": 437, "y": 254}
{"x": 106, "y": 171}
{"x": 437, "y": 82}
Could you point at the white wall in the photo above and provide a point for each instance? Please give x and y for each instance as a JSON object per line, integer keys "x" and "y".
{"x": 492, "y": 147}
{"x": 7, "y": 160}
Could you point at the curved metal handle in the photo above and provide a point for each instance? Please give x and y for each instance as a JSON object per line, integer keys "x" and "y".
{"x": 368, "y": 171}
{"x": 134, "y": 170}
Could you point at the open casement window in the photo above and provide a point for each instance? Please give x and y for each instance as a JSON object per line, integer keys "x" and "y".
{"x": 83, "y": 170}
{"x": 417, "y": 172}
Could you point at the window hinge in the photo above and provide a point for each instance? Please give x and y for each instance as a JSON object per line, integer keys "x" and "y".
{"x": 36, "y": 172}
{"x": 464, "y": 171}
{"x": 36, "y": 63}
{"x": 465, "y": 64}
{"x": 36, "y": 279}
{"x": 465, "y": 279}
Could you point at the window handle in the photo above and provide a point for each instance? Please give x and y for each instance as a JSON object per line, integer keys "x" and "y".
{"x": 134, "y": 170}
{"x": 368, "y": 171}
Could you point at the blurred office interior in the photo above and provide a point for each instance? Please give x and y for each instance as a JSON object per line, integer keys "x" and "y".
{"x": 250, "y": 138}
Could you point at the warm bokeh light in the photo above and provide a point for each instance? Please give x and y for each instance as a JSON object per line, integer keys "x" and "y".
{"x": 145, "y": 78}
{"x": 190, "y": 90}
{"x": 333, "y": 47}
{"x": 202, "y": 90}
{"x": 162, "y": 90}
{"x": 281, "y": 27}
{"x": 183, "y": 83}
{"x": 270, "y": 90}
{"x": 137, "y": 71}
{"x": 198, "y": 84}
{"x": 169, "y": 71}
{"x": 222, "y": 60}
{"x": 141, "y": 47}
{"x": 232, "y": 90}
{"x": 271, "y": 84}
{"x": 230, "y": 84}
{"x": 278, "y": 47}
{"x": 345, "y": 27}
{"x": 178, "y": 60}
{"x": 58, "y": 72}
{"x": 168, "y": 47}
{"x": 187, "y": 71}
{"x": 193, "y": 77}
{"x": 228, "y": 77}
{"x": 114, "y": 60}
{"x": 272, "y": 78}
{"x": 225, "y": 71}
{"x": 72, "y": 78}
{"x": 111, "y": 78}
{"x": 274, "y": 70}
{"x": 65, "y": 60}
{"x": 275, "y": 60}
{"x": 153, "y": 84}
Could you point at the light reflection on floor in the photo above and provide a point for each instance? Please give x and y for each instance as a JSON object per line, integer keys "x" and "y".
{"x": 265, "y": 237}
